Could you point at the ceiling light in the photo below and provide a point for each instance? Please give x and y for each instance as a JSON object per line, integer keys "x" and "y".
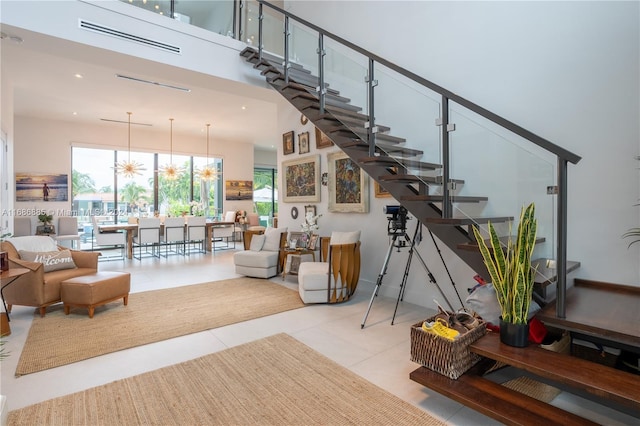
{"x": 170, "y": 171}
{"x": 78, "y": 75}
{"x": 129, "y": 168}
{"x": 208, "y": 173}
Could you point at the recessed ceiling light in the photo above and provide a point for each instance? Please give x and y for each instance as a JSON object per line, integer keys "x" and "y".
{"x": 79, "y": 76}
{"x": 244, "y": 107}
{"x": 75, "y": 113}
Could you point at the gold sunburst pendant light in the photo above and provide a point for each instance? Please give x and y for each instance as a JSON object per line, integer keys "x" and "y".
{"x": 208, "y": 173}
{"x": 129, "y": 168}
{"x": 171, "y": 171}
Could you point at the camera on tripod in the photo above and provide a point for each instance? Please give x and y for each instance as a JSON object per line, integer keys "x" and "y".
{"x": 397, "y": 221}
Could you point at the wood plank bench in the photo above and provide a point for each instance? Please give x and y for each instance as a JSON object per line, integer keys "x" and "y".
{"x": 604, "y": 382}
{"x": 496, "y": 401}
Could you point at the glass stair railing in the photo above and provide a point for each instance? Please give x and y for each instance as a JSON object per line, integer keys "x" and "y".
{"x": 451, "y": 163}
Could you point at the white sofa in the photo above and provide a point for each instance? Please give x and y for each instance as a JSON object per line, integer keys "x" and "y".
{"x": 263, "y": 258}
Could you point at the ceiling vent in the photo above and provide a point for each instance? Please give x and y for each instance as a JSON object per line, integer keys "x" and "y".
{"x": 97, "y": 28}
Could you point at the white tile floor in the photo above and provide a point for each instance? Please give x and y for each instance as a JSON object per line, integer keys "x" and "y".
{"x": 379, "y": 352}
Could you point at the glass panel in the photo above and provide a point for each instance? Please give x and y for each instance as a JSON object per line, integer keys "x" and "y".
{"x": 215, "y": 16}
{"x": 346, "y": 72}
{"x": 174, "y": 195}
{"x": 265, "y": 195}
{"x": 272, "y": 29}
{"x": 92, "y": 180}
{"x": 303, "y": 45}
{"x": 512, "y": 174}
{"x": 135, "y": 195}
{"x": 207, "y": 194}
{"x": 415, "y": 124}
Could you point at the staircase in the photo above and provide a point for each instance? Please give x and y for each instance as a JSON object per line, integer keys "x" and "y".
{"x": 429, "y": 193}
{"x": 397, "y": 168}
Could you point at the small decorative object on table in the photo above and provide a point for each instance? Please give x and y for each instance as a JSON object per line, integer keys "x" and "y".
{"x": 445, "y": 353}
{"x": 309, "y": 225}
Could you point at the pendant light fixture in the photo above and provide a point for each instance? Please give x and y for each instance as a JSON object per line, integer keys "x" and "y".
{"x": 129, "y": 168}
{"x": 170, "y": 171}
{"x": 208, "y": 173}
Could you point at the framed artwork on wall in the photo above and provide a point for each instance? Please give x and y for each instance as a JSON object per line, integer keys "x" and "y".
{"x": 380, "y": 192}
{"x": 42, "y": 187}
{"x": 288, "y": 147}
{"x": 239, "y": 190}
{"x": 301, "y": 179}
{"x": 348, "y": 185}
{"x": 309, "y": 209}
{"x": 303, "y": 143}
{"x": 322, "y": 140}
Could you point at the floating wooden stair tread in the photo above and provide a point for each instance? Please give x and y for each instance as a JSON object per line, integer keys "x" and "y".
{"x": 439, "y": 198}
{"x": 335, "y": 111}
{"x": 546, "y": 275}
{"x": 391, "y": 150}
{"x": 473, "y": 246}
{"x": 496, "y": 401}
{"x": 391, "y": 161}
{"x": 465, "y": 221}
{"x": 329, "y": 97}
{"x": 293, "y": 86}
{"x": 362, "y": 132}
{"x": 608, "y": 311}
{"x": 596, "y": 379}
{"x": 403, "y": 178}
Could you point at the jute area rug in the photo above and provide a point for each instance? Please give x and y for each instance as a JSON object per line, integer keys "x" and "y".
{"x": 272, "y": 381}
{"x": 152, "y": 316}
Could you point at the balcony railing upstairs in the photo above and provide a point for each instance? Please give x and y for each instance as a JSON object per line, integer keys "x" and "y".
{"x": 472, "y": 165}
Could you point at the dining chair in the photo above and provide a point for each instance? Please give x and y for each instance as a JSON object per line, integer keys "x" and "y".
{"x": 196, "y": 234}
{"x": 173, "y": 235}
{"x": 68, "y": 230}
{"x": 107, "y": 240}
{"x": 148, "y": 237}
{"x": 21, "y": 226}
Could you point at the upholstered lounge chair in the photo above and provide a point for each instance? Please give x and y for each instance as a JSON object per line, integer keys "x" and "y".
{"x": 37, "y": 287}
{"x": 264, "y": 255}
{"x": 334, "y": 279}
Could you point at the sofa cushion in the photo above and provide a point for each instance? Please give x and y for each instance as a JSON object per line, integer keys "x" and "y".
{"x": 38, "y": 243}
{"x": 272, "y": 239}
{"x": 52, "y": 260}
{"x": 338, "y": 237}
{"x": 257, "y": 242}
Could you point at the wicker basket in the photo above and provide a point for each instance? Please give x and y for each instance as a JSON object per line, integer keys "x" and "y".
{"x": 449, "y": 358}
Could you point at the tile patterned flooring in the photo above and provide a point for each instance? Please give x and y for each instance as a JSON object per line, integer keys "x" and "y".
{"x": 379, "y": 352}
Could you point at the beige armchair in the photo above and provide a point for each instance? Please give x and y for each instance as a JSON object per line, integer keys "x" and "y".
{"x": 263, "y": 253}
{"x": 38, "y": 288}
{"x": 335, "y": 279}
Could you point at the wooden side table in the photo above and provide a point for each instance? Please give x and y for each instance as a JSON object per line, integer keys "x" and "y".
{"x": 297, "y": 252}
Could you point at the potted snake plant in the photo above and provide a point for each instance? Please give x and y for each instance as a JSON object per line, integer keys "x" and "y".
{"x": 512, "y": 275}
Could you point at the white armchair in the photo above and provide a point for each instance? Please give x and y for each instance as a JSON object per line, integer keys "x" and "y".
{"x": 116, "y": 239}
{"x": 264, "y": 255}
{"x": 335, "y": 279}
{"x": 68, "y": 230}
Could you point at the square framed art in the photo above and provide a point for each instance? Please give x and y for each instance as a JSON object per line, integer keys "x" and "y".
{"x": 301, "y": 179}
{"x": 322, "y": 140}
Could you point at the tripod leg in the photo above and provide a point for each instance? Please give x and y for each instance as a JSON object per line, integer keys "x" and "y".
{"x": 433, "y": 280}
{"x": 383, "y": 271}
{"x": 406, "y": 270}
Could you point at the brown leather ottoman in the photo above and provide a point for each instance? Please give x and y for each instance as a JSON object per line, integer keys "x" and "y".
{"x": 89, "y": 291}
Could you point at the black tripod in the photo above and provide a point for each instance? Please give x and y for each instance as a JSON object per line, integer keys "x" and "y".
{"x": 401, "y": 244}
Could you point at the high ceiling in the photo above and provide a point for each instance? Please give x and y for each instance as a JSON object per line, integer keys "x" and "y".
{"x": 43, "y": 71}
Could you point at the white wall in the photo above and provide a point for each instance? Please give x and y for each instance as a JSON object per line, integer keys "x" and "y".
{"x": 568, "y": 71}
{"x": 44, "y": 146}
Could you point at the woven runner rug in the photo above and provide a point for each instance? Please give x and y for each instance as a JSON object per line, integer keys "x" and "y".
{"x": 272, "y": 381}
{"x": 152, "y": 316}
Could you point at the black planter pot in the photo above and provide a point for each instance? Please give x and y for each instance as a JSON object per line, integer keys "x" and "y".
{"x": 516, "y": 335}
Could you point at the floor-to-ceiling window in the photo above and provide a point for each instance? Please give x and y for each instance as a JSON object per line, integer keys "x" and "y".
{"x": 98, "y": 190}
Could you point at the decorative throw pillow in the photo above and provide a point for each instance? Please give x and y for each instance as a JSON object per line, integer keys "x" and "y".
{"x": 52, "y": 260}
{"x": 257, "y": 242}
{"x": 272, "y": 239}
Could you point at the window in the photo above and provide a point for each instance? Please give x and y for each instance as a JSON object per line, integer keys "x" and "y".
{"x": 265, "y": 194}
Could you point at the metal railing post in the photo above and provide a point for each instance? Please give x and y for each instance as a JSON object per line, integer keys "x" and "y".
{"x": 260, "y": 18}
{"x": 371, "y": 129}
{"x": 286, "y": 50}
{"x": 446, "y": 160}
{"x": 561, "y": 257}
{"x": 321, "y": 90}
